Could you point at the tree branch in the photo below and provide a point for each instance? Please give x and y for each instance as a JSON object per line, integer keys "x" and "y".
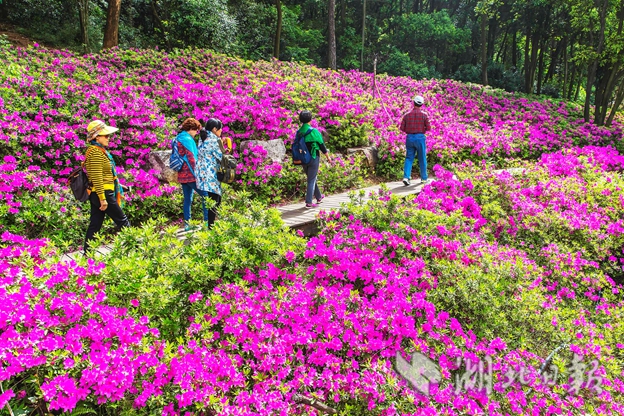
{"x": 297, "y": 398}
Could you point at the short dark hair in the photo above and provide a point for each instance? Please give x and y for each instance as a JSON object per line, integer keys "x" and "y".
{"x": 190, "y": 124}
{"x": 213, "y": 123}
{"x": 305, "y": 116}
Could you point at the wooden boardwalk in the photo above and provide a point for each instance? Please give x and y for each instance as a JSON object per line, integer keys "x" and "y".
{"x": 298, "y": 217}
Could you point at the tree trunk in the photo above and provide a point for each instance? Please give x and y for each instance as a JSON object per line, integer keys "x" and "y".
{"x": 502, "y": 48}
{"x": 418, "y": 6}
{"x": 83, "y": 14}
{"x": 565, "y": 68}
{"x": 111, "y": 30}
{"x": 278, "y": 30}
{"x": 331, "y": 30}
{"x": 514, "y": 49}
{"x": 535, "y": 41}
{"x": 618, "y": 101}
{"x": 160, "y": 25}
{"x": 363, "y": 35}
{"x": 608, "y": 80}
{"x": 484, "y": 60}
{"x": 578, "y": 86}
{"x": 593, "y": 67}
{"x": 540, "y": 68}
{"x": 573, "y": 74}
{"x": 554, "y": 59}
{"x": 528, "y": 88}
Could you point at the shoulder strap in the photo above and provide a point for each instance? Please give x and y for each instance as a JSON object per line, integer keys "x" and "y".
{"x": 221, "y": 147}
{"x": 308, "y": 132}
{"x": 87, "y": 154}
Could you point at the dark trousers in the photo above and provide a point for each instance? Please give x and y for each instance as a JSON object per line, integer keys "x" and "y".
{"x": 114, "y": 211}
{"x": 212, "y": 212}
{"x": 210, "y": 215}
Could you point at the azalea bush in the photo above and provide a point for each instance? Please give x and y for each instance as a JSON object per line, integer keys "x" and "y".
{"x": 324, "y": 320}
{"x": 153, "y": 269}
{"x": 148, "y": 93}
{"x": 506, "y": 268}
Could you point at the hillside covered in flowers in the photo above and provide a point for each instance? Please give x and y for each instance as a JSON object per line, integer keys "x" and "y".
{"x": 510, "y": 282}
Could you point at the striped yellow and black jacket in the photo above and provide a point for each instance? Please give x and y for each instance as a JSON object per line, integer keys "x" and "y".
{"x": 99, "y": 171}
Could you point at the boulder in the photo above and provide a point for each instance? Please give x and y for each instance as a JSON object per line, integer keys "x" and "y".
{"x": 159, "y": 160}
{"x": 275, "y": 148}
{"x": 371, "y": 154}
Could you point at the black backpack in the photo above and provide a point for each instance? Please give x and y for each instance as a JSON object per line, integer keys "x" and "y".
{"x": 79, "y": 183}
{"x": 227, "y": 168}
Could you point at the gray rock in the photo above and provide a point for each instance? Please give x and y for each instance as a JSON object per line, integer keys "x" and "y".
{"x": 159, "y": 160}
{"x": 371, "y": 154}
{"x": 275, "y": 148}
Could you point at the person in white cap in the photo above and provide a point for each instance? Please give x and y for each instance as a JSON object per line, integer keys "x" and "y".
{"x": 415, "y": 124}
{"x": 105, "y": 193}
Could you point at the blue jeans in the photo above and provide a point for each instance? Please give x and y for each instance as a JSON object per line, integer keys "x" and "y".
{"x": 415, "y": 144}
{"x": 311, "y": 171}
{"x": 187, "y": 190}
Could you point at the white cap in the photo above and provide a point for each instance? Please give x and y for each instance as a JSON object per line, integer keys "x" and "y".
{"x": 419, "y": 100}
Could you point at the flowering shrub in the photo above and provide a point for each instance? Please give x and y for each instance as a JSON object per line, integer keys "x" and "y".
{"x": 160, "y": 271}
{"x": 147, "y": 94}
{"x": 569, "y": 201}
{"x": 511, "y": 267}
{"x": 394, "y": 276}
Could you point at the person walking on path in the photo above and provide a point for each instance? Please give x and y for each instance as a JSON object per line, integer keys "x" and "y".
{"x": 415, "y": 124}
{"x": 185, "y": 140}
{"x": 314, "y": 143}
{"x": 209, "y": 157}
{"x": 106, "y": 193}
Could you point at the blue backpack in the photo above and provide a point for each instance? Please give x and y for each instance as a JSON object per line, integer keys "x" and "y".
{"x": 175, "y": 160}
{"x": 300, "y": 153}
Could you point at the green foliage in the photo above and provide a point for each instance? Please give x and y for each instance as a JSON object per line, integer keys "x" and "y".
{"x": 167, "y": 205}
{"x": 4, "y": 42}
{"x": 50, "y": 21}
{"x": 336, "y": 175}
{"x": 433, "y": 39}
{"x": 350, "y": 132}
{"x": 201, "y": 23}
{"x": 152, "y": 265}
{"x": 498, "y": 76}
{"x": 401, "y": 64}
{"x": 390, "y": 163}
{"x": 44, "y": 214}
{"x": 506, "y": 306}
{"x": 549, "y": 226}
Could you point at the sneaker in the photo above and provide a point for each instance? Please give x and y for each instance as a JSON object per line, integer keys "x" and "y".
{"x": 424, "y": 182}
{"x": 309, "y": 206}
{"x": 318, "y": 201}
{"x": 406, "y": 181}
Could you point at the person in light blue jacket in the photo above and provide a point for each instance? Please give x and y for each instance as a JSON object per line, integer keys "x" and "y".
{"x": 209, "y": 155}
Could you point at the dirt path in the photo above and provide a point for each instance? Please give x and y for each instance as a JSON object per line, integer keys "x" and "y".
{"x": 14, "y": 37}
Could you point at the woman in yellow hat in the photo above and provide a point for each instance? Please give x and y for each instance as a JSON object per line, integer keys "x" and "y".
{"x": 106, "y": 194}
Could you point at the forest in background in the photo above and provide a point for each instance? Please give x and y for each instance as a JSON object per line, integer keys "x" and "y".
{"x": 556, "y": 48}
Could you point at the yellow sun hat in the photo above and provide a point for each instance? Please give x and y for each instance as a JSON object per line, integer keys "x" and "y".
{"x": 99, "y": 128}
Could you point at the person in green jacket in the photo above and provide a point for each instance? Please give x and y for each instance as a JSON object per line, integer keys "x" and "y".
{"x": 315, "y": 145}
